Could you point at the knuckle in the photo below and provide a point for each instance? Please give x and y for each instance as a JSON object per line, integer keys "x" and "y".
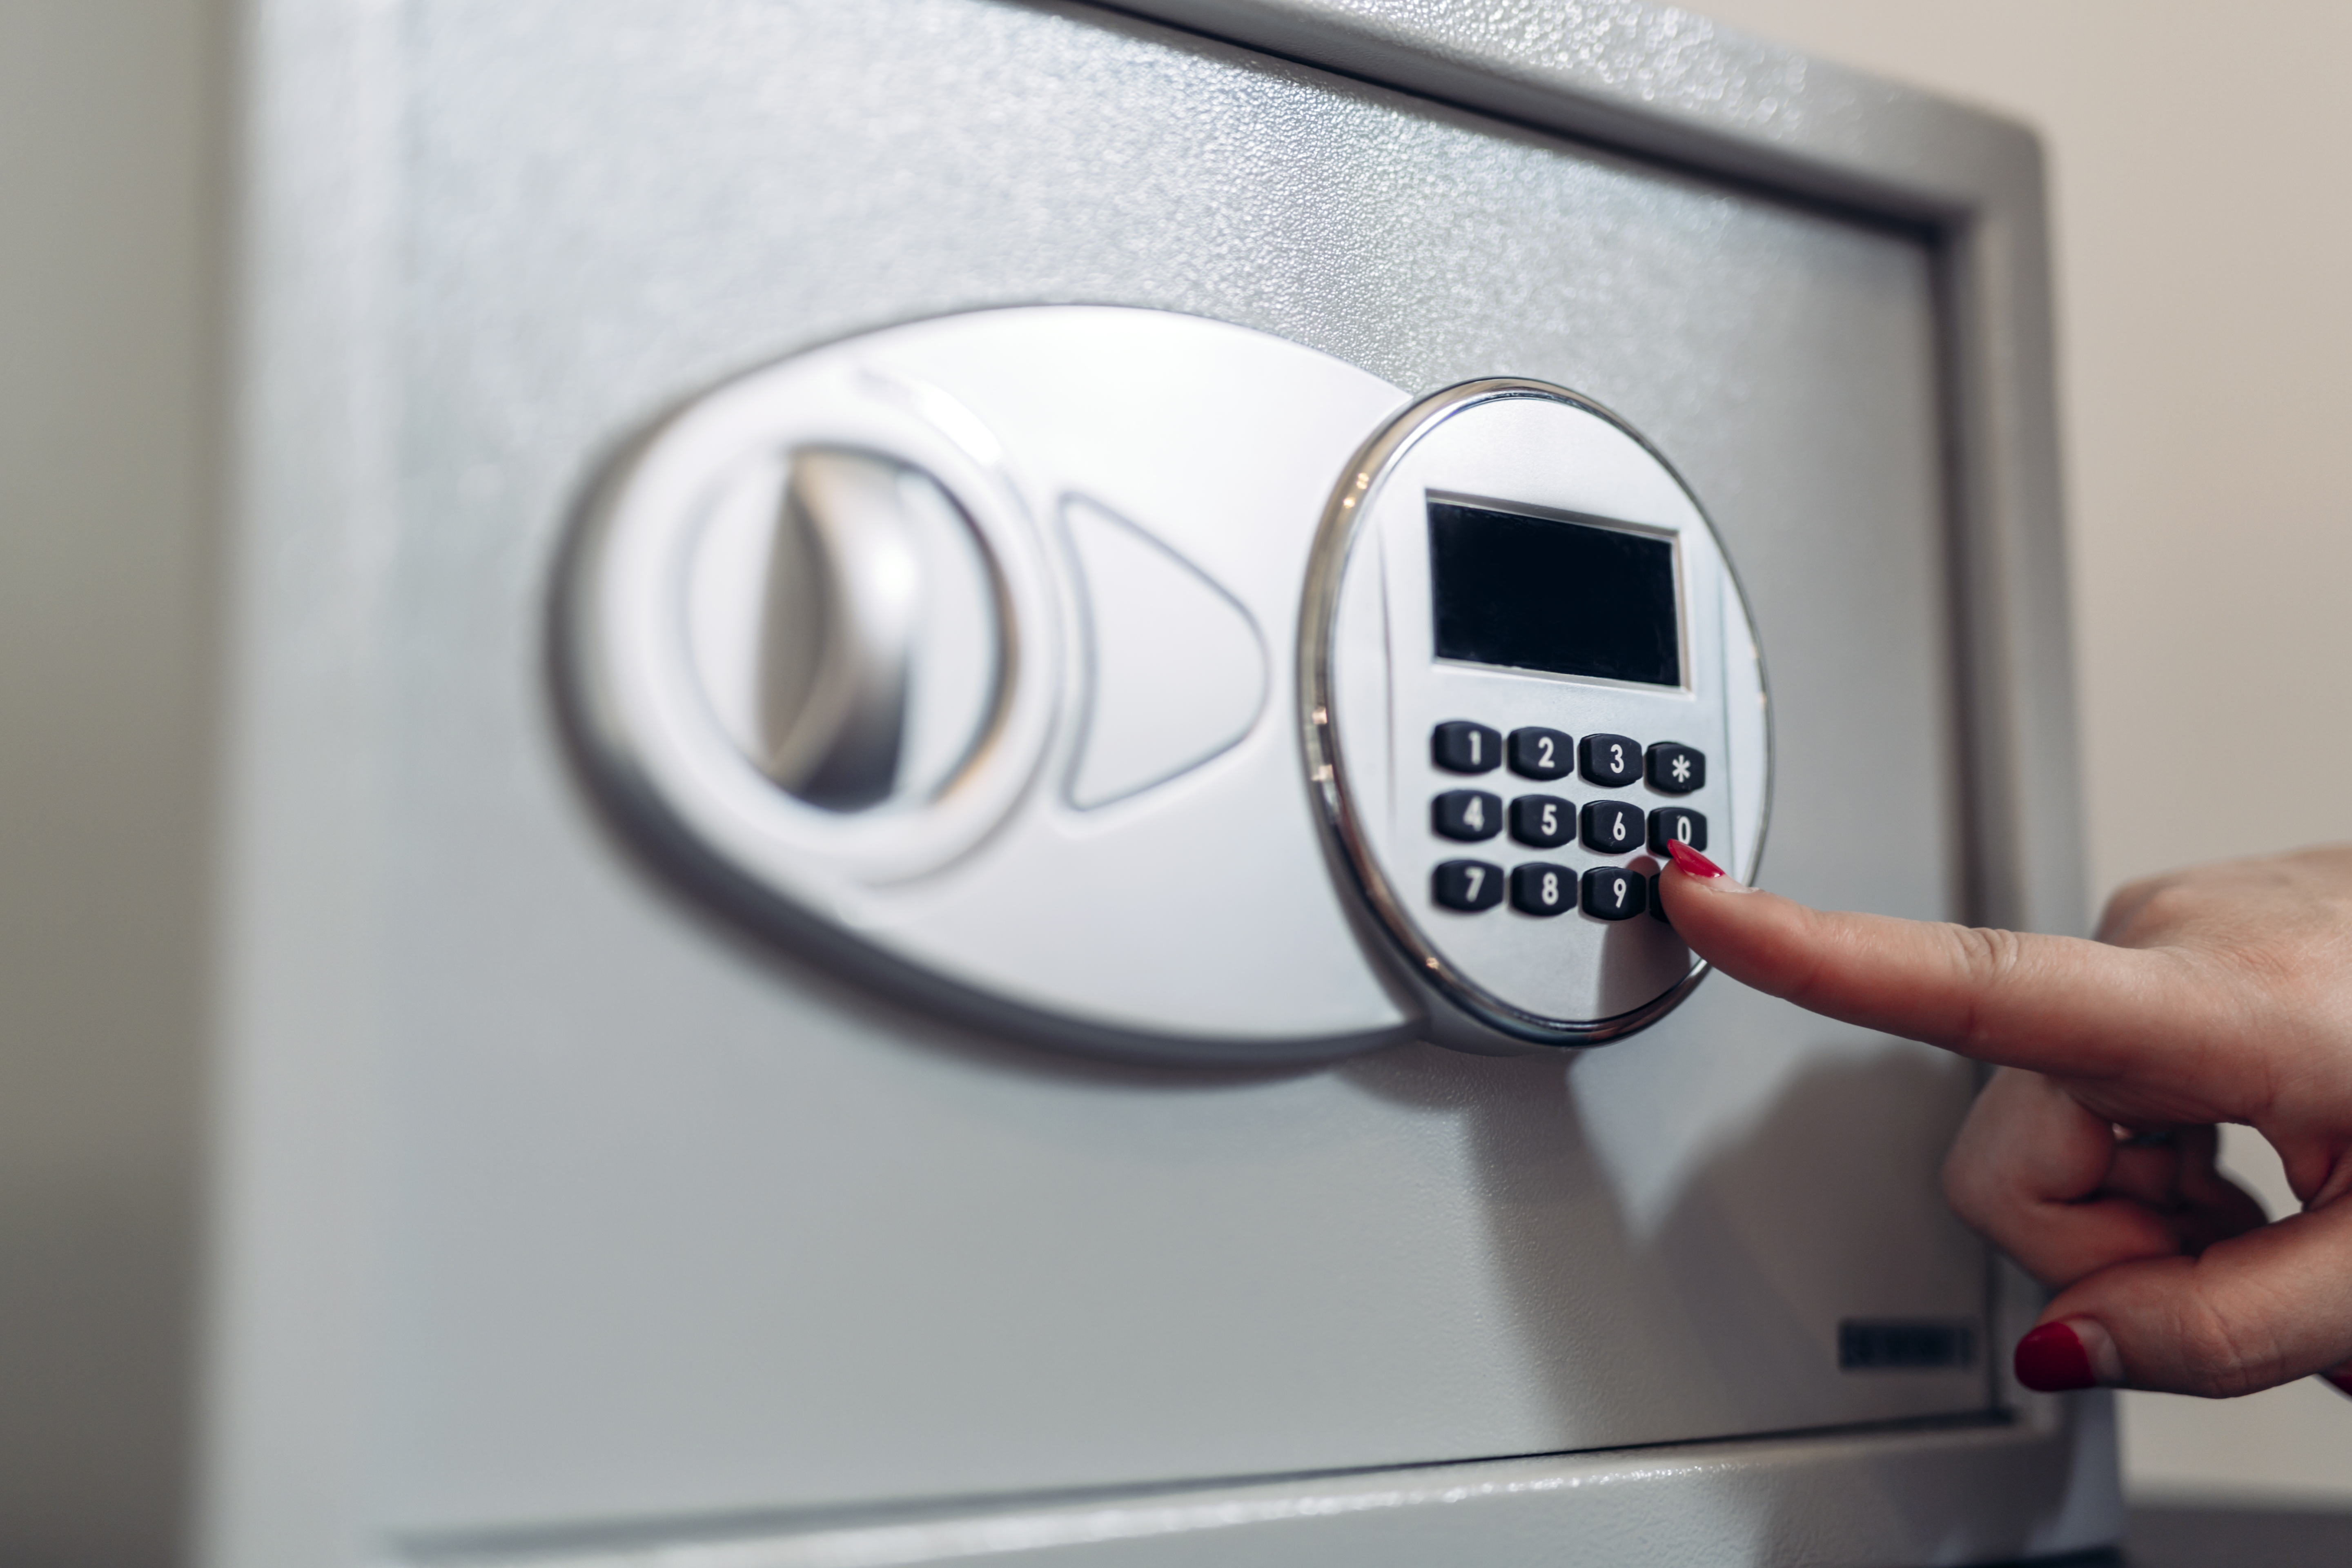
{"x": 2220, "y": 1357}
{"x": 1989, "y": 962}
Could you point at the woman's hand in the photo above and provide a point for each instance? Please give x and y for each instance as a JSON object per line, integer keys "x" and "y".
{"x": 2219, "y": 994}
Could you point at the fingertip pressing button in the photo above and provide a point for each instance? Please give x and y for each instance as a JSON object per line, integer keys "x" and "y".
{"x": 1672, "y": 824}
{"x": 1460, "y": 746}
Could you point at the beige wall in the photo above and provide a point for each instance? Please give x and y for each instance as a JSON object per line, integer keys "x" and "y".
{"x": 2201, "y": 157}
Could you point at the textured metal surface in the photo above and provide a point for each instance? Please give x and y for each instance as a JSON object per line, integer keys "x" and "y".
{"x": 1843, "y": 1500}
{"x": 637, "y": 140}
{"x": 679, "y": 1229}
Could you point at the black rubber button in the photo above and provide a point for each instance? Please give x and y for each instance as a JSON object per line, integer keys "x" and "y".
{"x": 1468, "y": 815}
{"x": 1538, "y": 754}
{"x": 1466, "y": 885}
{"x": 1672, "y": 822}
{"x": 1612, "y": 827}
{"x": 1538, "y": 889}
{"x": 1613, "y": 893}
{"x": 1677, "y": 769}
{"x": 1610, "y": 760}
{"x": 1657, "y": 905}
{"x": 1544, "y": 821}
{"x": 1461, "y": 747}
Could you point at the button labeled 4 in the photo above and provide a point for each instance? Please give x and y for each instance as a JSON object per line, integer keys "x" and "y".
{"x": 1468, "y": 815}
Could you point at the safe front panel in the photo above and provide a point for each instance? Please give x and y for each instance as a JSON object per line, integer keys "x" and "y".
{"x": 677, "y": 1222}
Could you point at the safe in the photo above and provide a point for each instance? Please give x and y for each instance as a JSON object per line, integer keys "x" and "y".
{"x": 938, "y": 738}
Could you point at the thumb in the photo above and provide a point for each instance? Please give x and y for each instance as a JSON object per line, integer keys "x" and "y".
{"x": 2248, "y": 1313}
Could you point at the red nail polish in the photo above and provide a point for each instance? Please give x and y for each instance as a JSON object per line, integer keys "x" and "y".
{"x": 2052, "y": 1360}
{"x": 1690, "y": 860}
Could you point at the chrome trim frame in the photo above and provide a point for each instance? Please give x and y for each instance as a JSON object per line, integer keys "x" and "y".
{"x": 1334, "y": 538}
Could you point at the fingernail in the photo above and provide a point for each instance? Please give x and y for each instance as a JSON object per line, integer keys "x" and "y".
{"x": 2054, "y": 1357}
{"x": 1687, "y": 859}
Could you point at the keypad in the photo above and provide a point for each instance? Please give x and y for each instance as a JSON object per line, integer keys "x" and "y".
{"x": 1544, "y": 821}
{"x": 1460, "y": 746}
{"x": 1468, "y": 815}
{"x": 1676, "y": 769}
{"x": 1669, "y": 823}
{"x": 1612, "y": 827}
{"x": 1657, "y": 905}
{"x": 1538, "y": 754}
{"x": 1466, "y": 885}
{"x": 1539, "y": 887}
{"x": 1608, "y": 760}
{"x": 1613, "y": 893}
{"x": 1604, "y": 826}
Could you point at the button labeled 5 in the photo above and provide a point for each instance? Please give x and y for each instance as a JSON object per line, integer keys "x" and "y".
{"x": 1544, "y": 821}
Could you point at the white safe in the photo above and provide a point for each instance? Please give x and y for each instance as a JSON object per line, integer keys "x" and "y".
{"x": 902, "y": 783}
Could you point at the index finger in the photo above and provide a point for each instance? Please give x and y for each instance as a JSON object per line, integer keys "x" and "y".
{"x": 2057, "y": 1005}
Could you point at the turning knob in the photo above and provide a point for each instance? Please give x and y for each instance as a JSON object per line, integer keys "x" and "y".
{"x": 848, "y": 627}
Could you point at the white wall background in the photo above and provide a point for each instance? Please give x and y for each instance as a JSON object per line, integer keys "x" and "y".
{"x": 2202, "y": 162}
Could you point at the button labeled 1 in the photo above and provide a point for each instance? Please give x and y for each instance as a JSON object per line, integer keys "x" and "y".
{"x": 1461, "y": 747}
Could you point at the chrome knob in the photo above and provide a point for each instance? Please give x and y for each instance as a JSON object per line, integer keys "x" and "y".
{"x": 848, "y": 627}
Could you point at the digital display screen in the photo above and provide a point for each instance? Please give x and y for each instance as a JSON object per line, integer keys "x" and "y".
{"x": 1535, "y": 593}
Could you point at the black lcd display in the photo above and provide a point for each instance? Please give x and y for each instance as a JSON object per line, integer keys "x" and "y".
{"x": 1539, "y": 592}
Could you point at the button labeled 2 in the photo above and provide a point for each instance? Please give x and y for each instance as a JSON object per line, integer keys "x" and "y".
{"x": 1539, "y": 753}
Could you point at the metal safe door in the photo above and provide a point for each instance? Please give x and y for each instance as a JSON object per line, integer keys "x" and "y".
{"x": 680, "y": 1224}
